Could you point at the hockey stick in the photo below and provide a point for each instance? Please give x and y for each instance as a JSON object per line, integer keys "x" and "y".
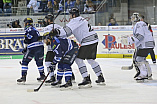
{"x": 57, "y": 14}
{"x": 20, "y": 62}
{"x": 127, "y": 67}
{"x": 132, "y": 65}
{"x": 37, "y": 89}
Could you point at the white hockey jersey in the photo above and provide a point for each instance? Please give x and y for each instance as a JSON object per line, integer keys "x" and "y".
{"x": 47, "y": 29}
{"x": 142, "y": 36}
{"x": 80, "y": 28}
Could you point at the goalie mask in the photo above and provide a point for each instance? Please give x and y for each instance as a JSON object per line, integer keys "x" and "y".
{"x": 135, "y": 18}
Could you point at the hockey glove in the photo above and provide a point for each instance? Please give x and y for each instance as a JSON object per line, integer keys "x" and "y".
{"x": 40, "y": 38}
{"x": 127, "y": 40}
{"x": 54, "y": 32}
{"x": 24, "y": 50}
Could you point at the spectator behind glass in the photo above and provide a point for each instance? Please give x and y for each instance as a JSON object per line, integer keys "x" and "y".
{"x": 99, "y": 24}
{"x": 88, "y": 6}
{"x": 43, "y": 5}
{"x": 80, "y": 5}
{"x": 17, "y": 24}
{"x": 33, "y": 4}
{"x": 14, "y": 24}
{"x": 55, "y": 6}
{"x": 69, "y": 4}
{"x": 7, "y": 6}
{"x": 1, "y": 6}
{"x": 112, "y": 22}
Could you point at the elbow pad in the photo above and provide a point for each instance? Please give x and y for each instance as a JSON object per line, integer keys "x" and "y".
{"x": 67, "y": 30}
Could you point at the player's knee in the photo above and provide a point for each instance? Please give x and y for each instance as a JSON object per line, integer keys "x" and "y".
{"x": 140, "y": 59}
{"x": 25, "y": 63}
{"x": 38, "y": 63}
{"x": 92, "y": 62}
{"x": 66, "y": 66}
{"x": 79, "y": 62}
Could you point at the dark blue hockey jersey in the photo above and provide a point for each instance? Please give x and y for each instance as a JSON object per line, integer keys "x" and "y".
{"x": 61, "y": 46}
{"x": 31, "y": 37}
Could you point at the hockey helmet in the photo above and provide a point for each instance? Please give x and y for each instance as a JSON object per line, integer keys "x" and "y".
{"x": 74, "y": 11}
{"x": 49, "y": 16}
{"x": 135, "y": 17}
{"x": 28, "y": 20}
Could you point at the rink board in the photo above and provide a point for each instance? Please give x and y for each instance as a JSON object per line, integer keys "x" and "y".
{"x": 110, "y": 46}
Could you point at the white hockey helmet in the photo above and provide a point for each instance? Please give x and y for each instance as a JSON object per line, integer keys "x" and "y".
{"x": 135, "y": 17}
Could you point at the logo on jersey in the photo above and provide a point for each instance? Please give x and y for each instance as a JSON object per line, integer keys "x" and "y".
{"x": 110, "y": 43}
{"x": 54, "y": 46}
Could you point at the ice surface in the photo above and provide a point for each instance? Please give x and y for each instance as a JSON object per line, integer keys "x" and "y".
{"x": 120, "y": 86}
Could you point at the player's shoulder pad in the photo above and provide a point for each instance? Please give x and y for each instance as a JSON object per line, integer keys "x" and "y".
{"x": 56, "y": 39}
{"x": 138, "y": 25}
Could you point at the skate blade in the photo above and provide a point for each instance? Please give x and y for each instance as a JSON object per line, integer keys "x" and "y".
{"x": 47, "y": 84}
{"x": 67, "y": 88}
{"x": 57, "y": 86}
{"x": 101, "y": 84}
{"x": 150, "y": 78}
{"x": 40, "y": 81}
{"x": 142, "y": 81}
{"x": 85, "y": 86}
{"x": 21, "y": 83}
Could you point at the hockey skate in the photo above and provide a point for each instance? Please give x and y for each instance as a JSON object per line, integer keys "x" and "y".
{"x": 150, "y": 77}
{"x": 22, "y": 80}
{"x": 100, "y": 80}
{"x": 41, "y": 78}
{"x": 56, "y": 84}
{"x": 139, "y": 79}
{"x": 86, "y": 83}
{"x": 66, "y": 86}
{"x": 51, "y": 80}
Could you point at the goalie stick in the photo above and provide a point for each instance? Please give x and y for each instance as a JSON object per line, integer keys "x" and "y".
{"x": 127, "y": 67}
{"x": 132, "y": 65}
{"x": 37, "y": 89}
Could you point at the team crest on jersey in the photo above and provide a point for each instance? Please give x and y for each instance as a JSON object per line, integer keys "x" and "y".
{"x": 54, "y": 46}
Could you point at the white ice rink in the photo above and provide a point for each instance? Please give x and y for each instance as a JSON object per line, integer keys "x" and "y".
{"x": 120, "y": 86}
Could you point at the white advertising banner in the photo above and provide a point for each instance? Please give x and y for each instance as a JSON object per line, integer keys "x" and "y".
{"x": 109, "y": 39}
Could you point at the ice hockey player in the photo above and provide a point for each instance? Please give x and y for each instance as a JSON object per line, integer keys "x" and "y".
{"x": 88, "y": 38}
{"x": 50, "y": 54}
{"x": 144, "y": 42}
{"x": 34, "y": 49}
{"x": 65, "y": 51}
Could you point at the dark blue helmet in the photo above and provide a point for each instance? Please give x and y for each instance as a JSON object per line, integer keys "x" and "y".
{"x": 28, "y": 20}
